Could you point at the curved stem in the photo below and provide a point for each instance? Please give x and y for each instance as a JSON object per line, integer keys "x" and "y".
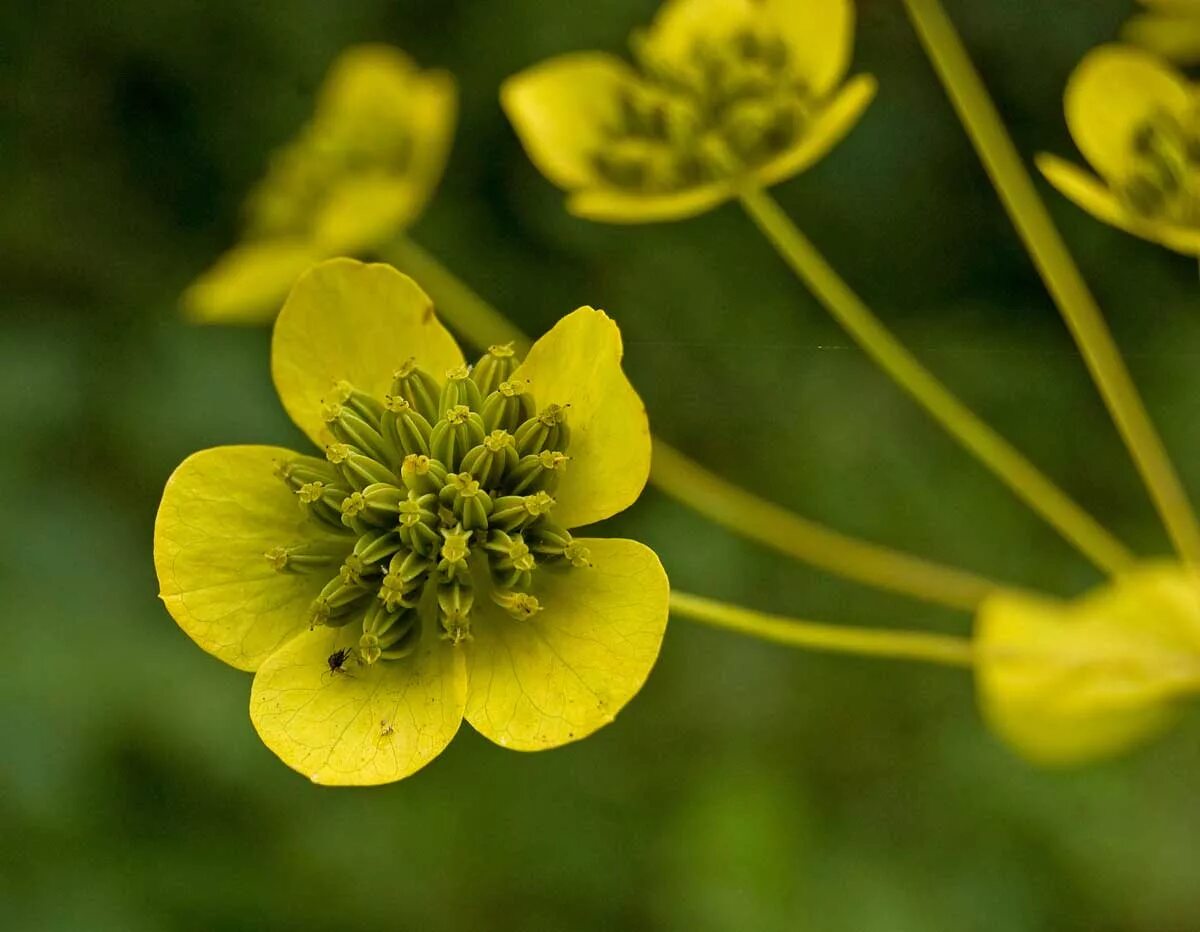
{"x": 1020, "y": 475}
{"x": 705, "y": 492}
{"x": 870, "y": 642}
{"x": 1058, "y": 270}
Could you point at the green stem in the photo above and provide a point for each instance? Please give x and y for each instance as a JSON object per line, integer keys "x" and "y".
{"x": 705, "y": 492}
{"x": 1045, "y": 498}
{"x": 870, "y": 642}
{"x": 1058, "y": 270}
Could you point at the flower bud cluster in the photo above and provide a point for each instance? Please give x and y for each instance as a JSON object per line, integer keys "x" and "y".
{"x": 445, "y": 489}
{"x": 1163, "y": 179}
{"x": 722, "y": 109}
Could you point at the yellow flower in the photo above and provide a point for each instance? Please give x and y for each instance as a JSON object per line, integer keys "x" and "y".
{"x": 1170, "y": 28}
{"x": 1137, "y": 121}
{"x": 726, "y": 93}
{"x": 360, "y": 171}
{"x": 1066, "y": 683}
{"x": 423, "y": 571}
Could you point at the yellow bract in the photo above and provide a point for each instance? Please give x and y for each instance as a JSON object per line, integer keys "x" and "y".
{"x": 527, "y": 683}
{"x": 1067, "y": 683}
{"x": 358, "y": 173}
{"x": 1137, "y": 121}
{"x": 727, "y": 93}
{"x": 1170, "y": 28}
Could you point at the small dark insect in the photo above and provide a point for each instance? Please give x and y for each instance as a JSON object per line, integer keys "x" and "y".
{"x": 337, "y": 661}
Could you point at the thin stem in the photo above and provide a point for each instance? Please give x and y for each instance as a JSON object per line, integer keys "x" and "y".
{"x": 705, "y": 492}
{"x": 1058, "y": 270}
{"x": 871, "y": 642}
{"x": 1020, "y": 475}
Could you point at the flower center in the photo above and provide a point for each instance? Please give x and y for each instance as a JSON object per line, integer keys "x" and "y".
{"x": 718, "y": 111}
{"x": 439, "y": 491}
{"x": 1162, "y": 181}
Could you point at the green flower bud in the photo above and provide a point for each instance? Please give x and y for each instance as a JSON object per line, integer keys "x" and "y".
{"x": 547, "y": 431}
{"x": 323, "y": 502}
{"x": 362, "y": 404}
{"x": 418, "y": 388}
{"x": 491, "y": 460}
{"x": 508, "y": 407}
{"x": 455, "y": 600}
{"x": 460, "y": 389}
{"x": 456, "y": 548}
{"x": 377, "y": 546}
{"x": 520, "y": 605}
{"x": 349, "y": 428}
{"x": 514, "y": 512}
{"x": 404, "y": 428}
{"x": 356, "y": 468}
{"x": 457, "y": 432}
{"x": 495, "y": 366}
{"x": 400, "y": 587}
{"x": 467, "y": 501}
{"x": 538, "y": 472}
{"x": 421, "y": 474}
{"x": 418, "y": 523}
{"x": 510, "y": 560}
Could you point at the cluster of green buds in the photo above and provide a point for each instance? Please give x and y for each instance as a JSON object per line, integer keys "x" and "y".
{"x": 725, "y": 108}
{"x": 1163, "y": 179}
{"x": 443, "y": 494}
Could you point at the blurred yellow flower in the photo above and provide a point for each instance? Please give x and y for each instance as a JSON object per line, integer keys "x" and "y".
{"x": 1137, "y": 121}
{"x": 726, "y": 93}
{"x": 1170, "y": 28}
{"x": 359, "y": 172}
{"x": 1067, "y": 683}
{"x": 424, "y": 571}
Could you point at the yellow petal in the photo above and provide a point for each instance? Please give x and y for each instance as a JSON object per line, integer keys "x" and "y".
{"x": 560, "y": 675}
{"x": 1111, "y": 93}
{"x": 1066, "y": 683}
{"x": 247, "y": 285}
{"x": 828, "y": 127}
{"x": 561, "y": 109}
{"x": 362, "y": 75}
{"x": 1174, "y": 34}
{"x": 367, "y": 85}
{"x": 1090, "y": 193}
{"x": 578, "y": 363}
{"x": 365, "y": 211}
{"x": 221, "y": 511}
{"x": 680, "y": 24}
{"x": 348, "y": 321}
{"x": 364, "y": 726}
{"x": 612, "y": 205}
{"x": 819, "y": 35}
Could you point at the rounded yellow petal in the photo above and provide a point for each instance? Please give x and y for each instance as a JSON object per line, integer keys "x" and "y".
{"x": 222, "y": 510}
{"x": 578, "y": 363}
{"x": 1094, "y": 196}
{"x": 680, "y": 25}
{"x": 362, "y": 75}
{"x": 561, "y": 110}
{"x": 819, "y": 35}
{"x": 1111, "y": 93}
{"x": 373, "y": 85}
{"x": 829, "y": 126}
{"x": 348, "y": 321}
{"x": 1066, "y": 683}
{"x": 1174, "y": 33}
{"x": 363, "y": 725}
{"x": 558, "y": 676}
{"x": 248, "y": 284}
{"x": 612, "y": 205}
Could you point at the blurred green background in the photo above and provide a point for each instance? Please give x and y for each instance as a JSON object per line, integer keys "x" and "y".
{"x": 747, "y": 787}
